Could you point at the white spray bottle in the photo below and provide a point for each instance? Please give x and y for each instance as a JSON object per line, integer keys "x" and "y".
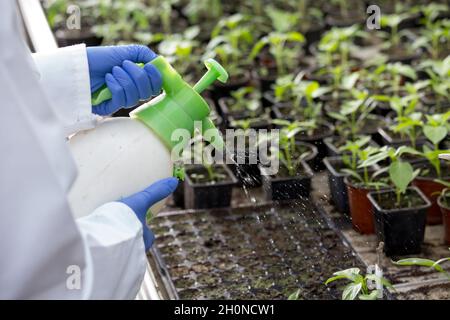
{"x": 122, "y": 156}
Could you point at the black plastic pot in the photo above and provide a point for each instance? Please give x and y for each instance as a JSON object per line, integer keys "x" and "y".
{"x": 402, "y": 230}
{"x": 178, "y": 195}
{"x": 288, "y": 188}
{"x": 326, "y": 130}
{"x": 338, "y": 189}
{"x": 208, "y": 195}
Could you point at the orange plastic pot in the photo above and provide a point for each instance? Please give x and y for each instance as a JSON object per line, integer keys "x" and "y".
{"x": 446, "y": 219}
{"x": 431, "y": 189}
{"x": 361, "y": 210}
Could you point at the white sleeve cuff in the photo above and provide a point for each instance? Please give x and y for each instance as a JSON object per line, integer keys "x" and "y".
{"x": 64, "y": 74}
{"x": 115, "y": 241}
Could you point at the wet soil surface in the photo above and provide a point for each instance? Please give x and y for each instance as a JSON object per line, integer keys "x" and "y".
{"x": 263, "y": 253}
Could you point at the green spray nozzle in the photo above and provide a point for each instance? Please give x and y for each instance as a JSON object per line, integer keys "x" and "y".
{"x": 215, "y": 72}
{"x": 181, "y": 106}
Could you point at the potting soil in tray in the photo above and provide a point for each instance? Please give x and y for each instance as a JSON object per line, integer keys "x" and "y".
{"x": 264, "y": 253}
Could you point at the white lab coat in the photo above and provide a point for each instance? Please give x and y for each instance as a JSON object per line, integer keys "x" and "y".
{"x": 42, "y": 246}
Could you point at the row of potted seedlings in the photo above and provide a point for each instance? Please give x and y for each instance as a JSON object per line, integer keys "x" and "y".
{"x": 340, "y": 97}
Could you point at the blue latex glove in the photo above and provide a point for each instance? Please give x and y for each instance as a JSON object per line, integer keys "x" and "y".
{"x": 128, "y": 83}
{"x": 142, "y": 201}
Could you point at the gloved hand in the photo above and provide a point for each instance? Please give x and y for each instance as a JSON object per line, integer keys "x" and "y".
{"x": 128, "y": 83}
{"x": 142, "y": 201}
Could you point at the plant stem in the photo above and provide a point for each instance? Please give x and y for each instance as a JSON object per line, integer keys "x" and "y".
{"x": 366, "y": 176}
{"x": 399, "y": 195}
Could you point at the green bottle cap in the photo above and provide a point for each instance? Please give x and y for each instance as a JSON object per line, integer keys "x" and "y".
{"x": 181, "y": 105}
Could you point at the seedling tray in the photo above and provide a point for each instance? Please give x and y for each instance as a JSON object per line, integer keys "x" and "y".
{"x": 260, "y": 252}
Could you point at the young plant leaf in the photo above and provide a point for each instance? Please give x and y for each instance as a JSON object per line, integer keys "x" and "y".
{"x": 435, "y": 134}
{"x": 351, "y": 291}
{"x": 295, "y": 295}
{"x": 419, "y": 262}
{"x": 371, "y": 296}
{"x": 401, "y": 174}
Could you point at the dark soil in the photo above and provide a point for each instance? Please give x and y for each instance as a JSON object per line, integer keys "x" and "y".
{"x": 262, "y": 254}
{"x": 200, "y": 175}
{"x": 410, "y": 199}
{"x": 284, "y": 173}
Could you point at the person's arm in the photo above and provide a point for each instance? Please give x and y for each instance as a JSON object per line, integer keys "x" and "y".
{"x": 64, "y": 75}
{"x": 43, "y": 248}
{"x": 114, "y": 244}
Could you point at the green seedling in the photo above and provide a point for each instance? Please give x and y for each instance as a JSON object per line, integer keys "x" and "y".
{"x": 430, "y": 12}
{"x": 295, "y": 295}
{"x": 351, "y": 151}
{"x": 409, "y": 126}
{"x": 288, "y": 152}
{"x": 420, "y": 262}
{"x": 282, "y": 20}
{"x": 203, "y": 158}
{"x": 396, "y": 72}
{"x": 353, "y": 114}
{"x": 359, "y": 152}
{"x": 247, "y": 123}
{"x": 439, "y": 79}
{"x": 435, "y": 130}
{"x": 203, "y": 9}
{"x": 231, "y": 40}
{"x": 178, "y": 49}
{"x": 435, "y": 38}
{"x": 286, "y": 57}
{"x": 338, "y": 42}
{"x": 393, "y": 21}
{"x": 309, "y": 16}
{"x": 131, "y": 22}
{"x": 401, "y": 173}
{"x": 246, "y": 99}
{"x": 56, "y": 12}
{"x": 296, "y": 91}
{"x": 358, "y": 287}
